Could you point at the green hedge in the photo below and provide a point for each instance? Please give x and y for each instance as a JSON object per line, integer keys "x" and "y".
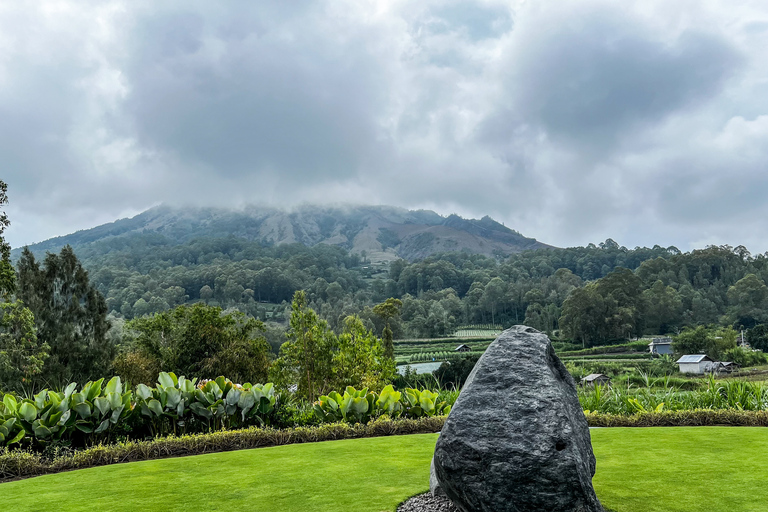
{"x": 694, "y": 418}
{"x": 15, "y": 464}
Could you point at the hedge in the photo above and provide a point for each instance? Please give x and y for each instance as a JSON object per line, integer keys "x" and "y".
{"x": 16, "y": 464}
{"x": 690, "y": 418}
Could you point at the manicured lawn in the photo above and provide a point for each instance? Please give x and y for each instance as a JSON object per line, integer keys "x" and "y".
{"x": 639, "y": 470}
{"x": 682, "y": 469}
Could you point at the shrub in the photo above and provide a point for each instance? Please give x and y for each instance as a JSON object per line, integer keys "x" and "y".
{"x": 16, "y": 464}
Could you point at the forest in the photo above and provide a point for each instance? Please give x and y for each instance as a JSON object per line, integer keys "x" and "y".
{"x": 592, "y": 295}
{"x": 87, "y": 310}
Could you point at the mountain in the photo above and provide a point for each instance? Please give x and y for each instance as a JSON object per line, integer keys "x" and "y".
{"x": 383, "y": 232}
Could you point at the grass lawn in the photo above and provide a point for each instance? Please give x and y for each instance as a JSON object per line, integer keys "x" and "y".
{"x": 639, "y": 470}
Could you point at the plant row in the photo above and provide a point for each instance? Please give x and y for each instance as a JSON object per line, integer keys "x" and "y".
{"x": 20, "y": 463}
{"x": 440, "y": 356}
{"x": 725, "y": 395}
{"x": 97, "y": 411}
{"x": 360, "y": 406}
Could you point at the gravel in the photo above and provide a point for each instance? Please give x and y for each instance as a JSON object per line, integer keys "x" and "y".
{"x": 427, "y": 503}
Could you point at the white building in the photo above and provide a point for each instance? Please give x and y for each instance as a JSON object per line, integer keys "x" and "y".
{"x": 661, "y": 346}
{"x": 698, "y": 363}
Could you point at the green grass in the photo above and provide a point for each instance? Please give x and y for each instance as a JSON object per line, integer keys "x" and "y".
{"x": 682, "y": 469}
{"x": 639, "y": 470}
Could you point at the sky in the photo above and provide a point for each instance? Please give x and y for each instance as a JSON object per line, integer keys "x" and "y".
{"x": 571, "y": 121}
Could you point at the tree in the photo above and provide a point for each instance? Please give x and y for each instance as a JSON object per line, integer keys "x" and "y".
{"x": 7, "y": 273}
{"x": 663, "y": 308}
{"x": 70, "y": 316}
{"x": 202, "y": 341}
{"x": 757, "y": 337}
{"x": 22, "y": 354}
{"x": 749, "y": 300}
{"x": 388, "y": 310}
{"x": 305, "y": 359}
{"x": 712, "y": 342}
{"x": 359, "y": 359}
{"x": 583, "y": 315}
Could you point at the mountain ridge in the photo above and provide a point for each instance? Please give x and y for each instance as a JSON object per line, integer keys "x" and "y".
{"x": 383, "y": 232}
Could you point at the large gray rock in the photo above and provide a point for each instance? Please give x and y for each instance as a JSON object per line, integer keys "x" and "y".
{"x": 516, "y": 439}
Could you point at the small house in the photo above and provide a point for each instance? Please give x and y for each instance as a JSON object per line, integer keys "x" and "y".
{"x": 660, "y": 346}
{"x": 698, "y": 363}
{"x": 463, "y": 348}
{"x": 596, "y": 378}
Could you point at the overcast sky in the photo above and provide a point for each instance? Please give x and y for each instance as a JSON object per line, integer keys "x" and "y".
{"x": 570, "y": 121}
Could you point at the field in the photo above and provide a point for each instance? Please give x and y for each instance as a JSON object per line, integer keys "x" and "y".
{"x": 639, "y": 470}
{"x": 477, "y": 331}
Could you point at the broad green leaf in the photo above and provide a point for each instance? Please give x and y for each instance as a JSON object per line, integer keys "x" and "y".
{"x": 165, "y": 380}
{"x": 64, "y": 417}
{"x": 83, "y": 410}
{"x": 94, "y": 390}
{"x": 155, "y": 407}
{"x": 28, "y": 411}
{"x": 70, "y": 389}
{"x": 41, "y": 398}
{"x": 10, "y": 404}
{"x": 42, "y": 431}
{"x": 18, "y": 437}
{"x": 143, "y": 391}
{"x": 115, "y": 400}
{"x": 102, "y": 404}
{"x": 84, "y": 428}
{"x": 173, "y": 398}
{"x": 114, "y": 386}
{"x": 116, "y": 414}
{"x": 104, "y": 425}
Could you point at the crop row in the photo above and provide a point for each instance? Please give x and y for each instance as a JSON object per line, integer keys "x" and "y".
{"x": 725, "y": 395}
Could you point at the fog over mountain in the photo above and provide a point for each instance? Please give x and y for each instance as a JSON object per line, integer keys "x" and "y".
{"x": 575, "y": 120}
{"x": 381, "y": 233}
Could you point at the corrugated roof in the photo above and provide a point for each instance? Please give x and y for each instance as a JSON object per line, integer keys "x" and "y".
{"x": 693, "y": 358}
{"x": 654, "y": 342}
{"x": 594, "y": 376}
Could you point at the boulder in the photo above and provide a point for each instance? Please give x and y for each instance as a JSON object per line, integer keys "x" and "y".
{"x": 516, "y": 440}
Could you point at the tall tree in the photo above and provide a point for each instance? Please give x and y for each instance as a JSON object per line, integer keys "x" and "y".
{"x": 22, "y": 354}
{"x": 305, "y": 359}
{"x": 388, "y": 310}
{"x": 70, "y": 316}
{"x": 359, "y": 359}
{"x": 7, "y": 273}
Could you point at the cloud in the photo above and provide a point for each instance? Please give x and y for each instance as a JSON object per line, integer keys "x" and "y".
{"x": 570, "y": 121}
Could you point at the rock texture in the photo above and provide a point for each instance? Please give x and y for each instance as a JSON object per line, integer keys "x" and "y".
{"x": 516, "y": 439}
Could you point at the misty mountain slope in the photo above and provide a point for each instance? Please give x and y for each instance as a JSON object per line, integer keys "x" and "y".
{"x": 383, "y": 232}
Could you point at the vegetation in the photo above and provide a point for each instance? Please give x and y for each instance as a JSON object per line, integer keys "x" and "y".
{"x": 730, "y": 394}
{"x": 295, "y": 477}
{"x": 19, "y": 463}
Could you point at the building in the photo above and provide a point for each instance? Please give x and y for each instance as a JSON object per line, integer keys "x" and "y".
{"x": 698, "y": 363}
{"x": 596, "y": 378}
{"x": 463, "y": 348}
{"x": 725, "y": 367}
{"x": 660, "y": 346}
